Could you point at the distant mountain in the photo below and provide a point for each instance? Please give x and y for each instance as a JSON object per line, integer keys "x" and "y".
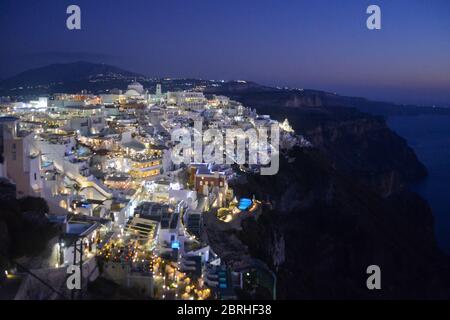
{"x": 272, "y": 100}
{"x": 96, "y": 78}
{"x": 66, "y": 73}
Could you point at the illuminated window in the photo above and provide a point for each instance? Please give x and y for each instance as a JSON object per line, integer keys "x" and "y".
{"x": 63, "y": 204}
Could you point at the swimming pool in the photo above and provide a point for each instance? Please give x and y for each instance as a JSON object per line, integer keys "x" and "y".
{"x": 244, "y": 204}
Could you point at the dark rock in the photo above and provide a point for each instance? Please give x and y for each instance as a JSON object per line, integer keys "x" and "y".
{"x": 336, "y": 228}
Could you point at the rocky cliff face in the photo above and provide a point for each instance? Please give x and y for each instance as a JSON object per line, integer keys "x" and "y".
{"x": 321, "y": 229}
{"x": 342, "y": 206}
{"x": 357, "y": 143}
{"x": 367, "y": 149}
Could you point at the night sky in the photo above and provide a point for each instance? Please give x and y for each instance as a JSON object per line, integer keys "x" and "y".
{"x": 307, "y": 44}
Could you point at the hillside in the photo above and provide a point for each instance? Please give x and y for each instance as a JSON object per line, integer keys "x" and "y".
{"x": 320, "y": 229}
{"x": 63, "y": 73}
{"x": 95, "y": 78}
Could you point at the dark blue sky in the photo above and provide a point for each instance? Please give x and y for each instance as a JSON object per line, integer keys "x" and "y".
{"x": 312, "y": 44}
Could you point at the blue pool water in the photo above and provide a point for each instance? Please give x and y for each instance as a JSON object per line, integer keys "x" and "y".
{"x": 244, "y": 204}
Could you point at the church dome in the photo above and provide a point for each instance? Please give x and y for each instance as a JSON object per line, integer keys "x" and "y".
{"x": 132, "y": 93}
{"x": 139, "y": 88}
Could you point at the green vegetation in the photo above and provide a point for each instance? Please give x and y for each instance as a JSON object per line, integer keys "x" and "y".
{"x": 24, "y": 229}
